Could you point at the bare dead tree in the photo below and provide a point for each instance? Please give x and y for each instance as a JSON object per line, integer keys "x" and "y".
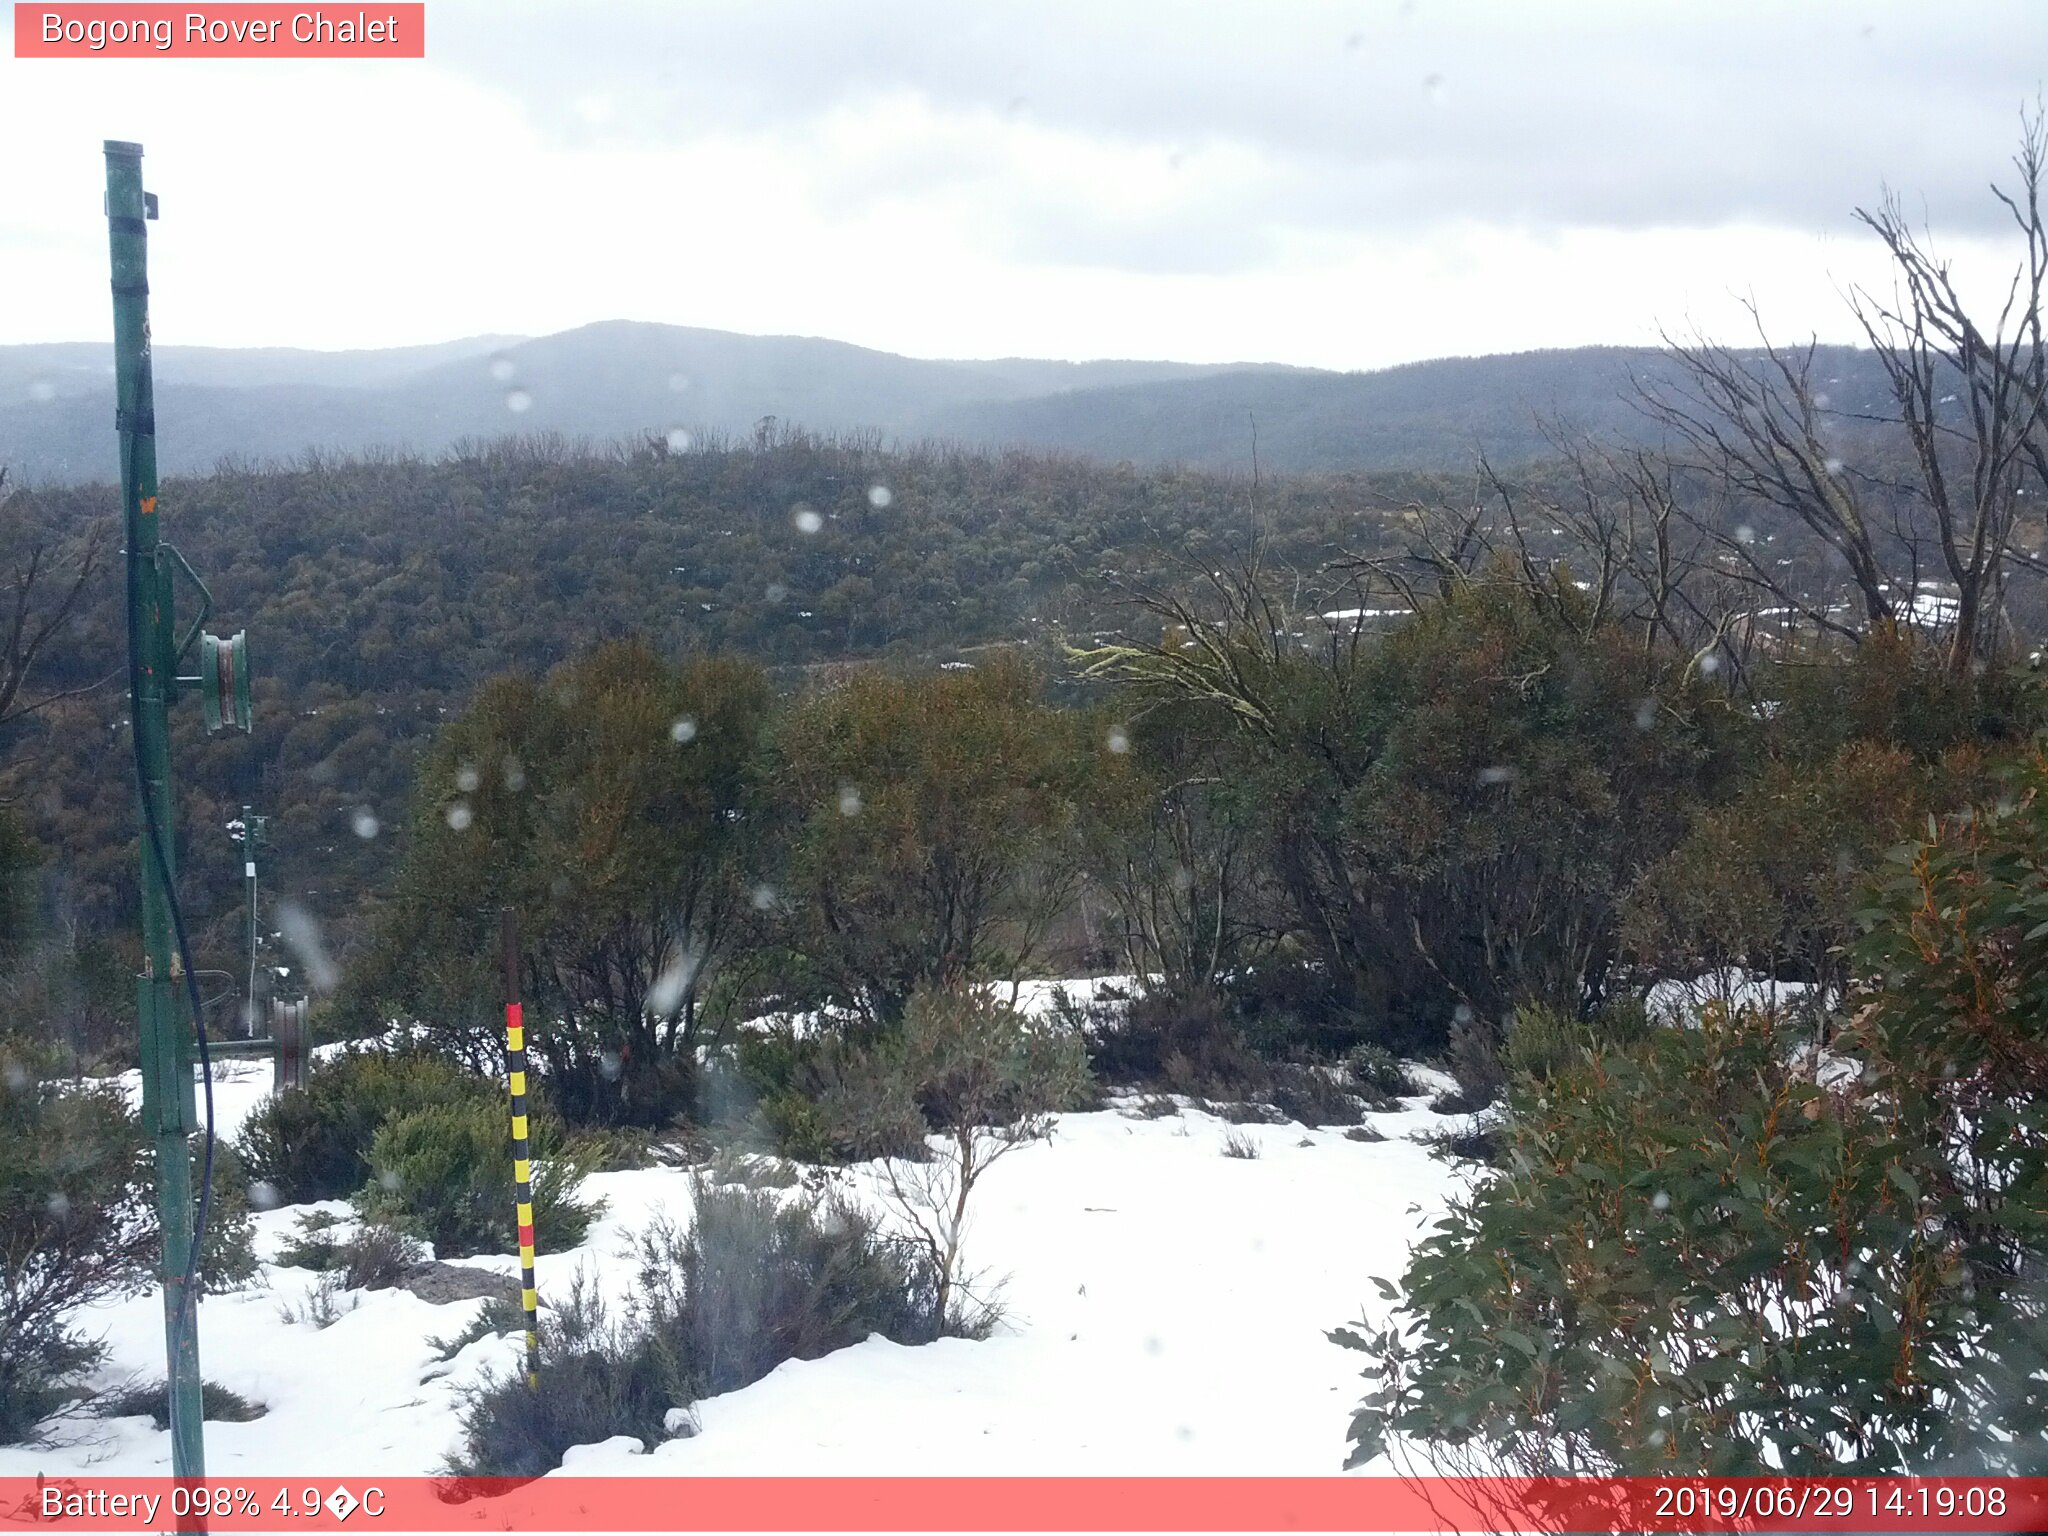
{"x": 1974, "y": 404}
{"x": 1969, "y": 402}
{"x": 1760, "y": 427}
{"x": 47, "y": 578}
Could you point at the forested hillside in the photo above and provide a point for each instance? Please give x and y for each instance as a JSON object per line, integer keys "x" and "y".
{"x": 379, "y": 594}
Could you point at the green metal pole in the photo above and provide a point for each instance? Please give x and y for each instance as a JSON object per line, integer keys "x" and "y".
{"x": 169, "y": 1111}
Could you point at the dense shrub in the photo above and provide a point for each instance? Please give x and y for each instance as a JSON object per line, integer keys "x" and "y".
{"x": 228, "y": 1261}
{"x": 823, "y": 1098}
{"x": 1715, "y": 1249}
{"x": 444, "y": 1174}
{"x": 1377, "y": 1071}
{"x": 1542, "y": 1042}
{"x": 1655, "y": 1278}
{"x": 931, "y": 828}
{"x": 217, "y": 1404}
{"x": 618, "y": 805}
{"x": 751, "y": 1283}
{"x": 313, "y": 1142}
{"x": 76, "y": 1226}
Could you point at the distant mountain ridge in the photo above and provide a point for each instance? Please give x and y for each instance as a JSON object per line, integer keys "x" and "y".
{"x": 617, "y": 378}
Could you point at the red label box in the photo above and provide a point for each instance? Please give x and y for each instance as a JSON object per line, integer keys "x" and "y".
{"x": 240, "y": 31}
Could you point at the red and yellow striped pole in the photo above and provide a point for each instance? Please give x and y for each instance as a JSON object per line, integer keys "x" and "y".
{"x": 522, "y": 1166}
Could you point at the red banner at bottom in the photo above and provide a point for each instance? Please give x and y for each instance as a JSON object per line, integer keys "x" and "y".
{"x": 391, "y": 1504}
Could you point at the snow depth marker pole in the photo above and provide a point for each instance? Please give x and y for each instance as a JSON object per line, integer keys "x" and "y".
{"x": 522, "y": 1166}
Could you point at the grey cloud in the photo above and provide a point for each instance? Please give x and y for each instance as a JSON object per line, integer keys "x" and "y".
{"x": 1379, "y": 117}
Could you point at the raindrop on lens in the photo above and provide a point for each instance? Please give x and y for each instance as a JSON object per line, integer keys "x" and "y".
{"x": 1745, "y": 534}
{"x": 1660, "y": 1201}
{"x": 1119, "y": 740}
{"x": 806, "y": 520}
{"x": 466, "y": 779}
{"x": 776, "y": 592}
{"x": 678, "y": 440}
{"x": 502, "y": 369}
{"x": 263, "y": 1196}
{"x": 1832, "y": 466}
{"x": 764, "y": 897}
{"x": 17, "y": 1077}
{"x": 460, "y": 816}
{"x": 518, "y": 401}
{"x": 879, "y": 496}
{"x": 683, "y": 731}
{"x": 389, "y": 1179}
{"x": 849, "y": 801}
{"x": 1646, "y": 714}
{"x": 364, "y": 823}
{"x": 59, "y": 1206}
{"x": 42, "y": 389}
{"x": 610, "y": 1065}
{"x": 1710, "y": 664}
{"x": 515, "y": 775}
{"x": 678, "y": 382}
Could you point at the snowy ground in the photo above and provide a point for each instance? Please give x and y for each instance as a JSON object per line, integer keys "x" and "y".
{"x": 1166, "y": 1309}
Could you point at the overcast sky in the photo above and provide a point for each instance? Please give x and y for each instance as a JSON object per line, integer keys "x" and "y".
{"x": 1346, "y": 185}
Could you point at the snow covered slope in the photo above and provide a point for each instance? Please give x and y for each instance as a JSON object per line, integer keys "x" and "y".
{"x": 1166, "y": 1309}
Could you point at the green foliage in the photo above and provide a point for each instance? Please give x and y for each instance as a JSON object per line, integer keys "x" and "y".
{"x": 1379, "y": 1071}
{"x": 1456, "y": 808}
{"x": 932, "y": 829}
{"x": 1701, "y": 1253}
{"x": 228, "y": 1258}
{"x": 752, "y": 1283}
{"x": 217, "y": 1404}
{"x": 76, "y": 1227}
{"x": 1954, "y": 1033}
{"x": 1857, "y": 748}
{"x": 315, "y": 1245}
{"x": 444, "y": 1174}
{"x": 1693, "y": 1258}
{"x": 1543, "y": 1042}
{"x": 313, "y": 1142}
{"x": 618, "y": 806}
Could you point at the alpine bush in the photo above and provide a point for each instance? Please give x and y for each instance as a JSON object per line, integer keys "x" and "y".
{"x": 76, "y": 1227}
{"x": 754, "y": 1281}
{"x": 313, "y": 1142}
{"x": 444, "y": 1174}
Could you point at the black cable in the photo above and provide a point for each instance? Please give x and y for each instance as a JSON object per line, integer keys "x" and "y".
{"x": 154, "y": 833}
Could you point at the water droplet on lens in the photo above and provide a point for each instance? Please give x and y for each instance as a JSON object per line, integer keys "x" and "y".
{"x": 849, "y": 801}
{"x": 806, "y": 520}
{"x": 364, "y": 823}
{"x": 460, "y": 816}
{"x": 502, "y": 368}
{"x": 879, "y": 496}
{"x": 678, "y": 440}
{"x": 1119, "y": 740}
{"x": 518, "y": 401}
{"x": 684, "y": 730}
